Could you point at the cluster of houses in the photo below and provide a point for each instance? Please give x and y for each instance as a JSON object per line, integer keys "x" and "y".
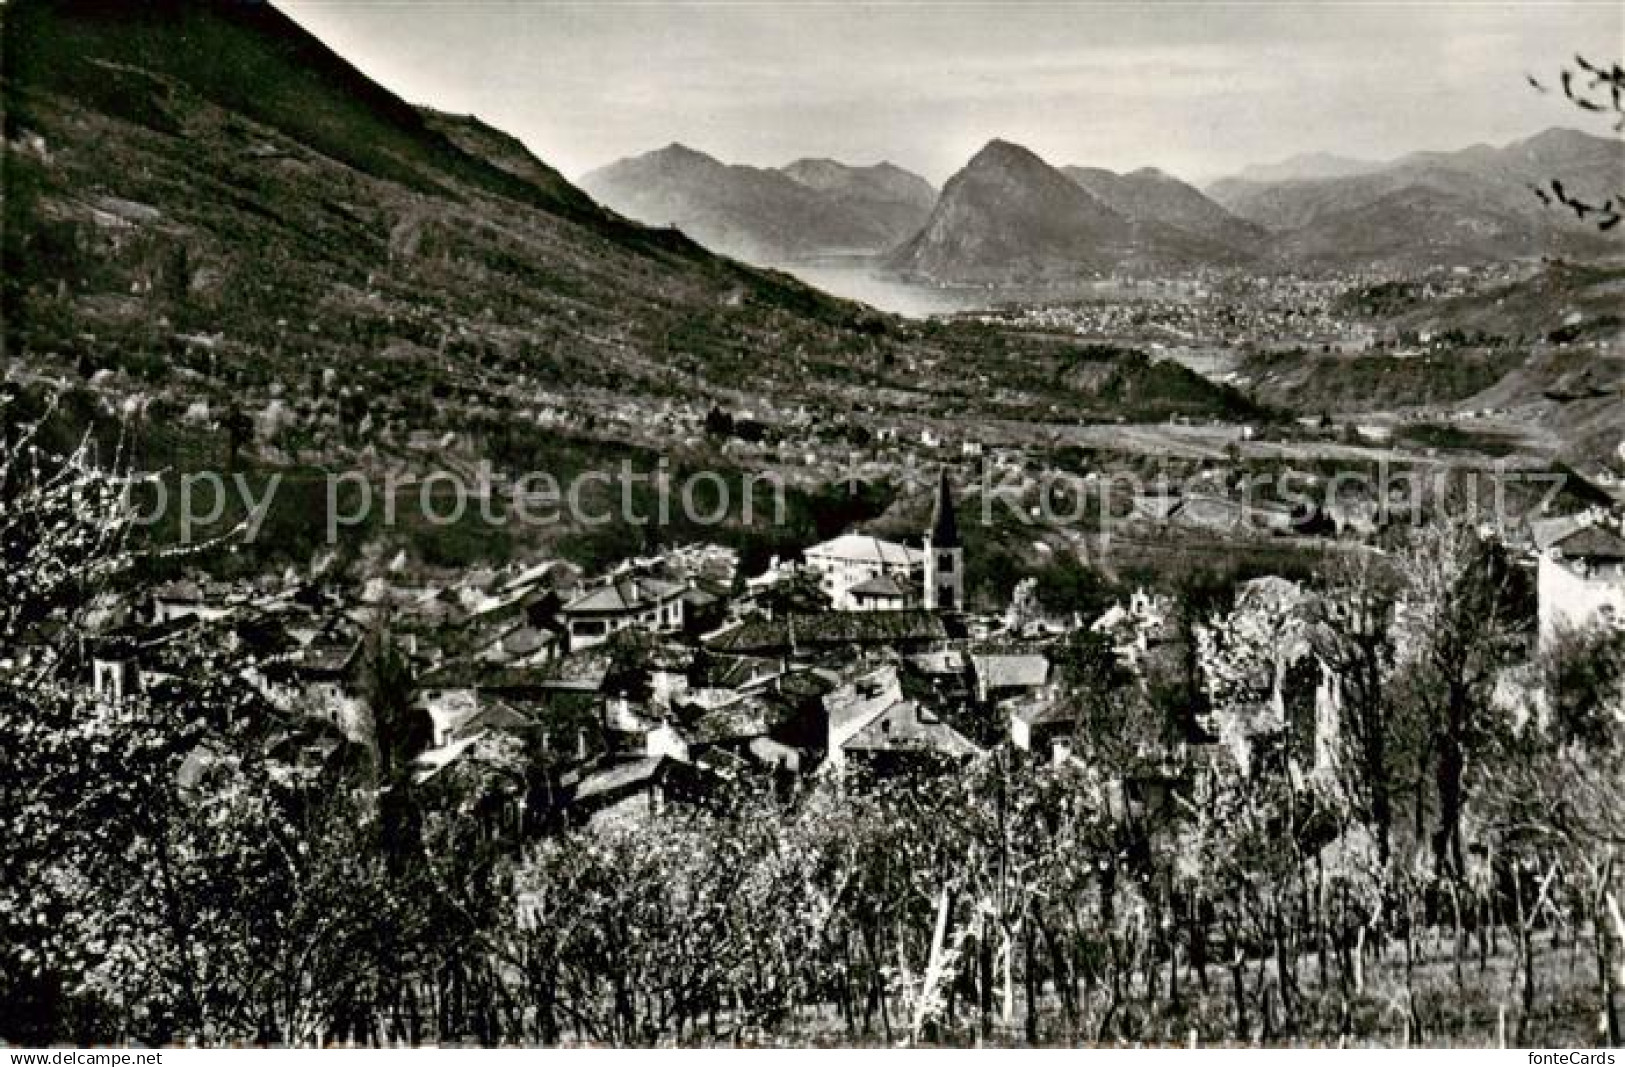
{"x": 663, "y": 678}
{"x": 674, "y": 674}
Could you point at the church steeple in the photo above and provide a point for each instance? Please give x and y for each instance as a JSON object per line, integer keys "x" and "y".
{"x": 944, "y": 555}
{"x": 944, "y": 525}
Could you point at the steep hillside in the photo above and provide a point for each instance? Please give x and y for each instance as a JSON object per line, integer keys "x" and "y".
{"x": 209, "y": 176}
{"x": 131, "y": 60}
{"x": 357, "y": 275}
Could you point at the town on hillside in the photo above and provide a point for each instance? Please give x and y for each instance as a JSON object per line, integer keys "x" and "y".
{"x": 654, "y": 525}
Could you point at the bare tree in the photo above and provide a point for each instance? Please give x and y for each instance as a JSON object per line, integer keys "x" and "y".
{"x": 1599, "y": 89}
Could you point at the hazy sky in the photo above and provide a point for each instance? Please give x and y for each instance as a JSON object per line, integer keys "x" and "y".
{"x": 1197, "y": 89}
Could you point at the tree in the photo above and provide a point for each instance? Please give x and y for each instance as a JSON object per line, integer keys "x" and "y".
{"x": 167, "y": 875}
{"x": 1352, "y": 637}
{"x": 1459, "y": 630}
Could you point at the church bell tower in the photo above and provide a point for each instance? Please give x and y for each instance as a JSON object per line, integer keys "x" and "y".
{"x": 944, "y": 555}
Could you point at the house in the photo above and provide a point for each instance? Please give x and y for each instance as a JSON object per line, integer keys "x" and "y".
{"x": 621, "y": 603}
{"x": 1002, "y": 675}
{"x": 183, "y": 599}
{"x": 635, "y": 731}
{"x": 630, "y": 791}
{"x": 1039, "y": 721}
{"x": 454, "y": 693}
{"x": 496, "y": 716}
{"x": 872, "y": 718}
{"x": 1135, "y": 628}
{"x": 882, "y": 593}
{"x": 326, "y": 674}
{"x": 853, "y": 559}
{"x": 1581, "y": 578}
{"x": 518, "y": 644}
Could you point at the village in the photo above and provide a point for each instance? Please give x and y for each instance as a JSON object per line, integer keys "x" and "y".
{"x": 671, "y": 677}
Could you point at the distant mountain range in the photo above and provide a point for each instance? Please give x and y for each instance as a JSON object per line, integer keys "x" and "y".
{"x": 767, "y": 215}
{"x": 1009, "y": 217}
{"x": 1474, "y": 204}
{"x": 1307, "y": 165}
{"x": 1148, "y": 196}
{"x": 203, "y": 199}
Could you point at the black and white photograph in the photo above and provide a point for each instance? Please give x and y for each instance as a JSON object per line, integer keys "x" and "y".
{"x": 753, "y": 524}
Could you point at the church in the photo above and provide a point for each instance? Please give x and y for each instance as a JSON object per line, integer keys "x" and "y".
{"x": 862, "y": 573}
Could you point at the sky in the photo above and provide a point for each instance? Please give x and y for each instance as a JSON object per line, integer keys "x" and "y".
{"x": 1197, "y": 89}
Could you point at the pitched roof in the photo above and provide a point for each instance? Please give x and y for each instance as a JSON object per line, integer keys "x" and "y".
{"x": 941, "y": 661}
{"x": 908, "y": 727}
{"x": 1548, "y": 532}
{"x": 530, "y": 576}
{"x": 861, "y": 548}
{"x": 580, "y": 671}
{"x": 882, "y": 585}
{"x": 620, "y": 776}
{"x": 435, "y": 760}
{"x": 495, "y": 716}
{"x": 524, "y": 640}
{"x": 852, "y": 706}
{"x": 633, "y": 593}
{"x": 1004, "y": 671}
{"x": 831, "y": 628}
{"x": 1045, "y": 712}
{"x": 1593, "y": 542}
{"x": 330, "y": 654}
{"x": 747, "y": 717}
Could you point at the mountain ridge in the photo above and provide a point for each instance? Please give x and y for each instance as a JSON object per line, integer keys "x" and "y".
{"x": 1009, "y": 215}
{"x": 1471, "y": 204}
{"x": 762, "y": 214}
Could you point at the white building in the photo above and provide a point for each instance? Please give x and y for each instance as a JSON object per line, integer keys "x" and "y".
{"x": 862, "y": 573}
{"x": 853, "y": 559}
{"x": 1581, "y": 579}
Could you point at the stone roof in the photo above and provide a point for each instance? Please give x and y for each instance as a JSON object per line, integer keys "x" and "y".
{"x": 583, "y": 671}
{"x": 495, "y": 716}
{"x": 749, "y": 716}
{"x": 327, "y": 656}
{"x": 786, "y": 632}
{"x": 907, "y": 726}
{"x": 1548, "y": 532}
{"x": 1047, "y": 712}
